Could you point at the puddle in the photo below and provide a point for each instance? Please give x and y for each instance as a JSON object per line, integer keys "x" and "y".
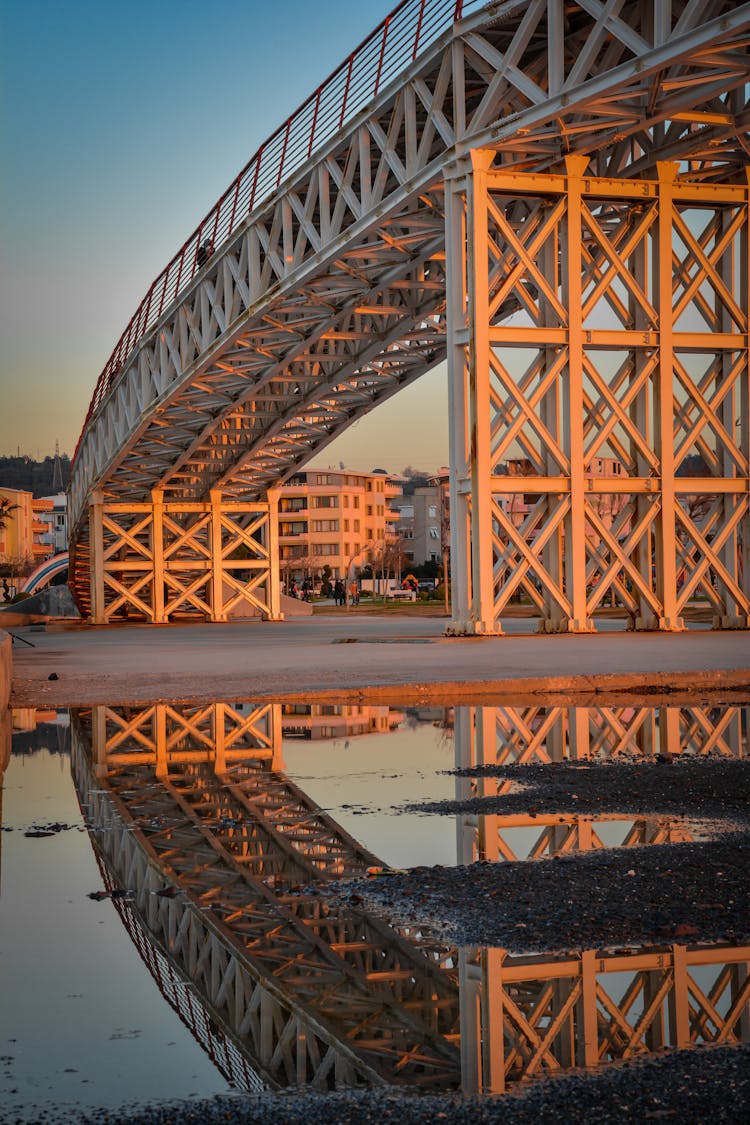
{"x": 548, "y": 874}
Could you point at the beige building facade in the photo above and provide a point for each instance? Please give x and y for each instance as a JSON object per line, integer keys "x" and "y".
{"x": 335, "y": 518}
{"x": 23, "y": 530}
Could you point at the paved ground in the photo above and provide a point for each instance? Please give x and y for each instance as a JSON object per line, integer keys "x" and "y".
{"x": 349, "y": 656}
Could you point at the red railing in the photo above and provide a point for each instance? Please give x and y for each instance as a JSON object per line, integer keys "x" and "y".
{"x": 389, "y": 49}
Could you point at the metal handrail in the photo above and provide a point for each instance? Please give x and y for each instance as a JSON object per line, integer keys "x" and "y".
{"x": 392, "y": 46}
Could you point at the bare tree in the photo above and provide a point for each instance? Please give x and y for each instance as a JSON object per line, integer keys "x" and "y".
{"x": 388, "y": 559}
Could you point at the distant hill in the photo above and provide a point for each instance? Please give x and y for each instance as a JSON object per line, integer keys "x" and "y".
{"x": 37, "y": 477}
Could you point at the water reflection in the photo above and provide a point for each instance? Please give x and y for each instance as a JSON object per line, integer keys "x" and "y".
{"x": 193, "y": 814}
{"x": 195, "y": 818}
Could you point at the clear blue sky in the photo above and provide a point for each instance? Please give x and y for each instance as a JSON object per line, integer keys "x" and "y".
{"x": 120, "y": 126}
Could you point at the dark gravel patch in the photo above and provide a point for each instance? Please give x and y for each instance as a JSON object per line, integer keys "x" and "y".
{"x": 613, "y": 898}
{"x": 686, "y": 892}
{"x": 673, "y": 786}
{"x": 712, "y": 1084}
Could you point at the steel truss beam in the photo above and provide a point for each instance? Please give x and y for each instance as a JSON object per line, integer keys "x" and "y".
{"x": 330, "y": 295}
{"x": 620, "y": 387}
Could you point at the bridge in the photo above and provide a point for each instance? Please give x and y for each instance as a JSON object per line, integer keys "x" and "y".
{"x": 212, "y": 852}
{"x": 550, "y": 196}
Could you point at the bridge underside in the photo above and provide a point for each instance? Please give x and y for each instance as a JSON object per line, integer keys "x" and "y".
{"x": 504, "y": 203}
{"x": 599, "y": 430}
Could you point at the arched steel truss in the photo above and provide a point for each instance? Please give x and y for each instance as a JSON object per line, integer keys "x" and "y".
{"x": 329, "y": 294}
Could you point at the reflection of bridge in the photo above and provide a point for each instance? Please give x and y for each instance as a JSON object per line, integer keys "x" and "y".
{"x": 191, "y": 811}
{"x": 551, "y": 195}
{"x": 313, "y": 993}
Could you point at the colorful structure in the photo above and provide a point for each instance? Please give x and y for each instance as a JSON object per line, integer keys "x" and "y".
{"x": 554, "y": 196}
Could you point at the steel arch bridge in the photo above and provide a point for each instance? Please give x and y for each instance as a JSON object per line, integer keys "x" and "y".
{"x": 551, "y": 194}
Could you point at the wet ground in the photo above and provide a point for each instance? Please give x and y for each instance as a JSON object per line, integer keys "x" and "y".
{"x": 524, "y": 838}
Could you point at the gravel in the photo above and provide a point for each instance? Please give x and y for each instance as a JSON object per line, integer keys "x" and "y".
{"x": 686, "y": 1086}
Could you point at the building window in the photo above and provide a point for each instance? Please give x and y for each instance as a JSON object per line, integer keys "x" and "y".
{"x": 293, "y": 527}
{"x": 356, "y": 501}
{"x": 324, "y": 501}
{"x": 293, "y": 503}
{"x": 433, "y": 511}
{"x": 324, "y": 549}
{"x": 325, "y": 525}
{"x": 434, "y": 533}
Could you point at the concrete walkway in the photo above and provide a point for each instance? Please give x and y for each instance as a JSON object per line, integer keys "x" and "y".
{"x": 397, "y": 659}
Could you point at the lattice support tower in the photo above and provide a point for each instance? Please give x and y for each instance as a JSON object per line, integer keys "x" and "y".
{"x": 161, "y": 559}
{"x": 617, "y": 390}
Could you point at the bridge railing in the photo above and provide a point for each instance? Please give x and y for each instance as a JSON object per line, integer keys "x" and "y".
{"x": 411, "y": 27}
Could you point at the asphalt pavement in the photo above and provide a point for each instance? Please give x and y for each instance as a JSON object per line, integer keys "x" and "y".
{"x": 353, "y": 656}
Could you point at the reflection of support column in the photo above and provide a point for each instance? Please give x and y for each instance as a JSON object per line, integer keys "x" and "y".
{"x": 540, "y": 1014}
{"x": 469, "y": 985}
{"x": 579, "y": 733}
{"x": 465, "y": 758}
{"x": 669, "y": 730}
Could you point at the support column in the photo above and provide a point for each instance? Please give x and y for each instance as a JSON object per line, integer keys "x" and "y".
{"x": 666, "y": 546}
{"x": 456, "y": 312}
{"x": 482, "y": 614}
{"x": 96, "y": 558}
{"x": 217, "y": 569}
{"x": 575, "y": 541}
{"x": 157, "y": 548}
{"x": 274, "y": 577}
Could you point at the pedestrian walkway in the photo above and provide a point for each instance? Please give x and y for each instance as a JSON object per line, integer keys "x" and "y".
{"x": 403, "y": 659}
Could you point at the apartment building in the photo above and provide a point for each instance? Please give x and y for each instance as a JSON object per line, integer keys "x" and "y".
{"x": 334, "y": 518}
{"x": 420, "y": 518}
{"x": 56, "y": 521}
{"x": 22, "y": 535}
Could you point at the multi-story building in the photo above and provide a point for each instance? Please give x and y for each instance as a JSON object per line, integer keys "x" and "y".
{"x": 334, "y": 518}
{"x": 57, "y": 523}
{"x": 22, "y": 534}
{"x": 420, "y": 520}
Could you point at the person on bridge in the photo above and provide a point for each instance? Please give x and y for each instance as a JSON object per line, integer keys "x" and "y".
{"x": 205, "y": 250}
